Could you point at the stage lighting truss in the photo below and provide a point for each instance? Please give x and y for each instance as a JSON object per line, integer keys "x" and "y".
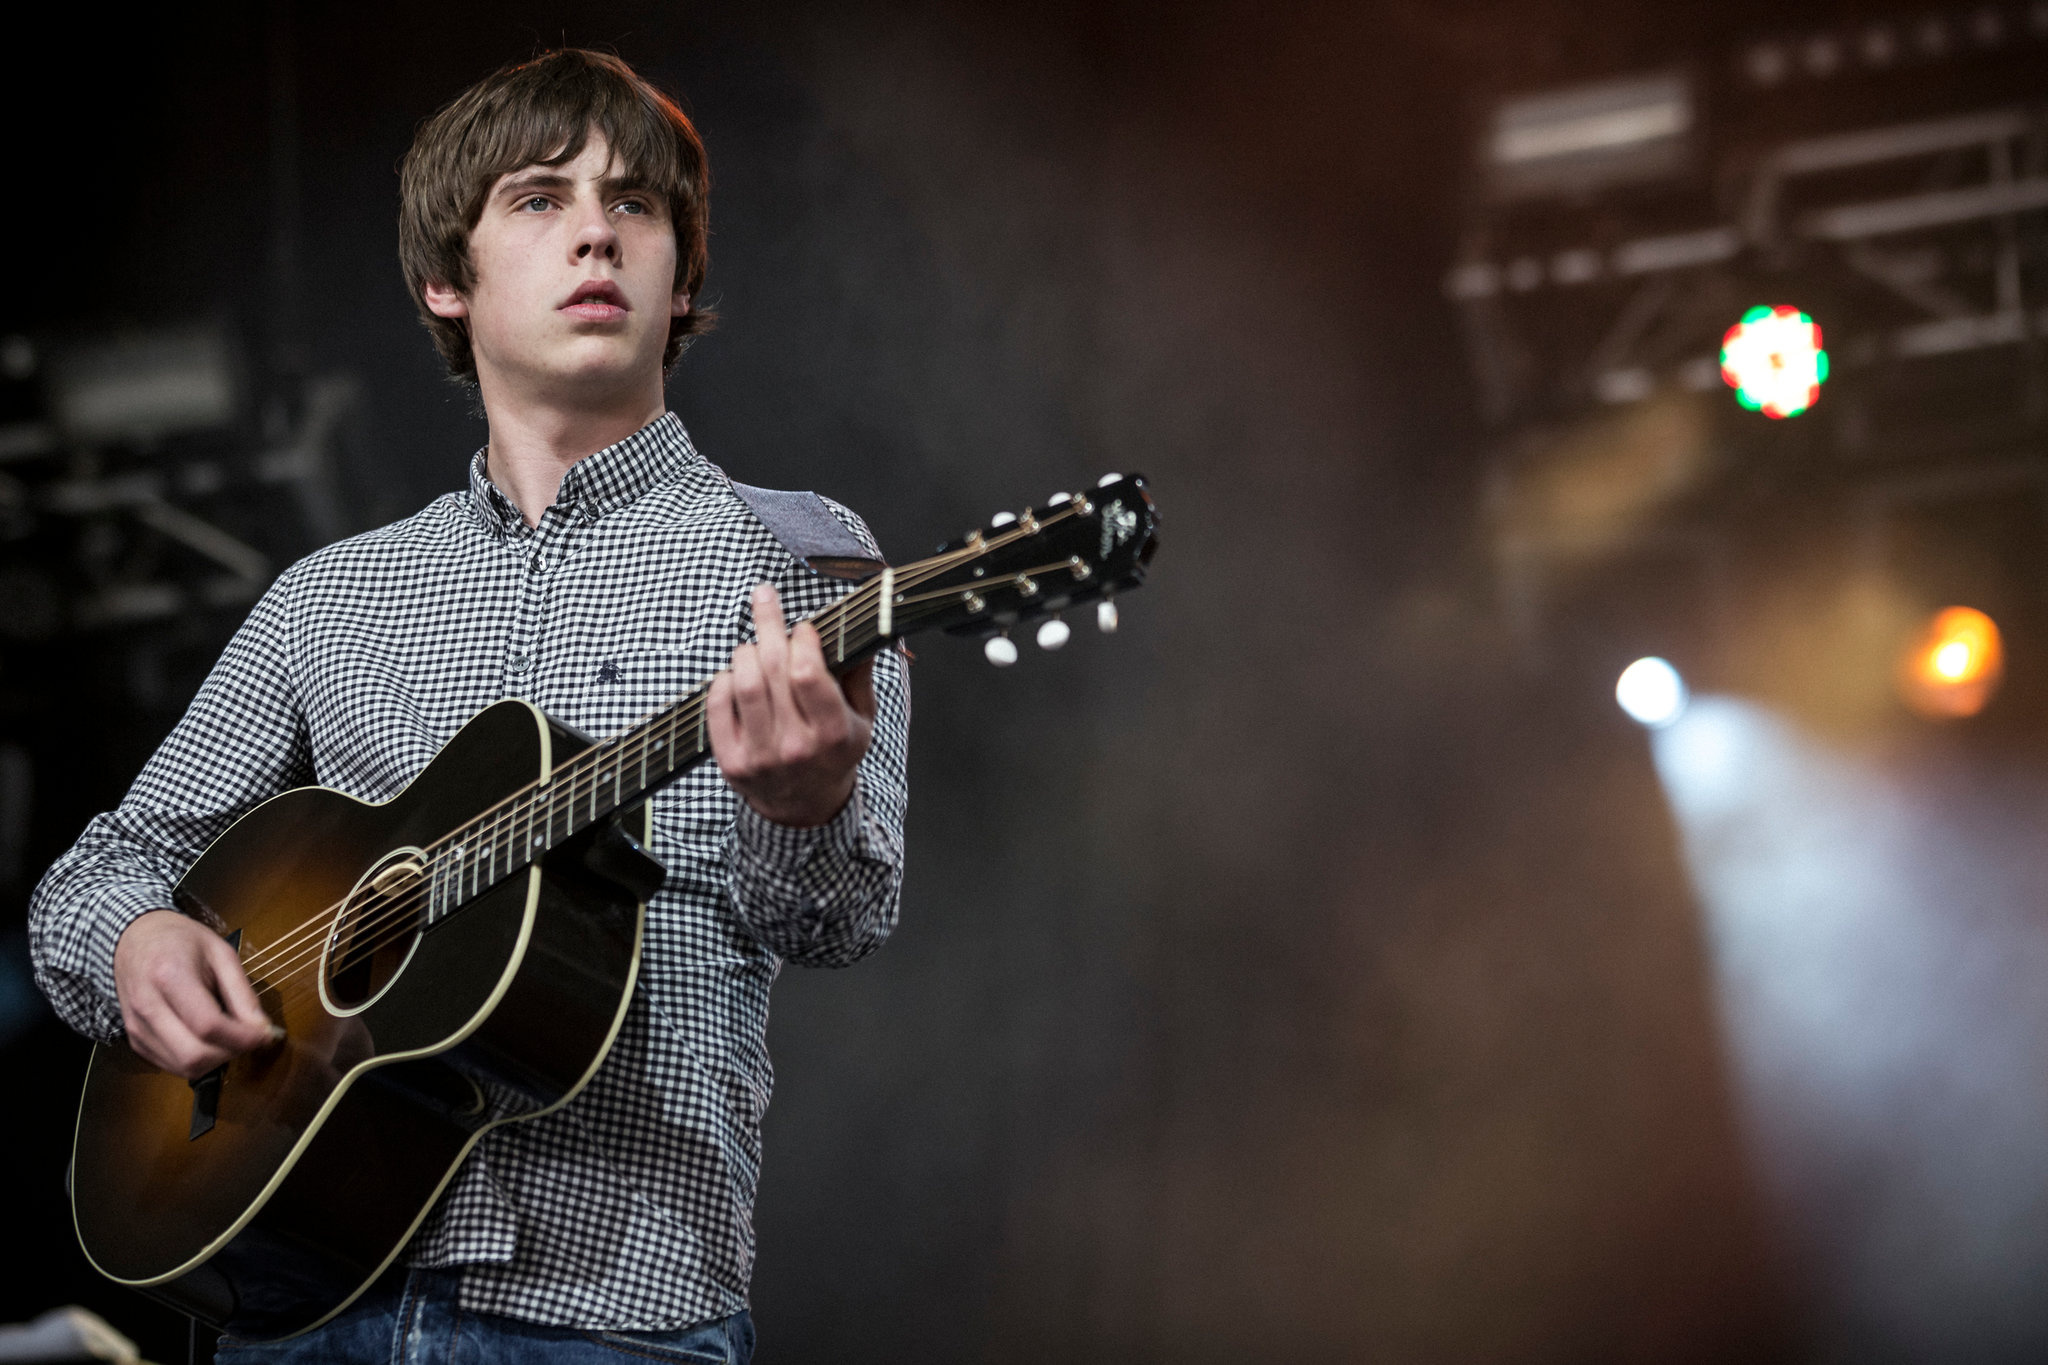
{"x": 1602, "y": 321}
{"x": 1917, "y": 245}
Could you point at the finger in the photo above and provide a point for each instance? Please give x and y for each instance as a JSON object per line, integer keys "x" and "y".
{"x": 859, "y": 688}
{"x": 231, "y": 986}
{"x": 813, "y": 695}
{"x": 771, "y": 634}
{"x": 174, "y": 1047}
{"x": 192, "y": 1002}
{"x": 768, "y": 618}
{"x": 727, "y": 746}
{"x": 752, "y": 705}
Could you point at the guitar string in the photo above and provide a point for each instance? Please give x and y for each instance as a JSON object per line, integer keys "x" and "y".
{"x": 285, "y": 960}
{"x": 289, "y": 956}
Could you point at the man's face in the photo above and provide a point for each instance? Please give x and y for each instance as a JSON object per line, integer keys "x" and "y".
{"x": 575, "y": 283}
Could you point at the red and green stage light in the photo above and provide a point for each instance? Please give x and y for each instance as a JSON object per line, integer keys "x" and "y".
{"x": 1774, "y": 361}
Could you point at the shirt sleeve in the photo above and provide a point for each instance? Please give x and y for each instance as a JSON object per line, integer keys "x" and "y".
{"x": 241, "y": 741}
{"x": 828, "y": 896}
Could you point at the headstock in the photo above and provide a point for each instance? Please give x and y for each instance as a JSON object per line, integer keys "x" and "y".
{"x": 1032, "y": 565}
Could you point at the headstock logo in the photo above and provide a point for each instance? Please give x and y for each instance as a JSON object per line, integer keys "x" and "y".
{"x": 1119, "y": 524}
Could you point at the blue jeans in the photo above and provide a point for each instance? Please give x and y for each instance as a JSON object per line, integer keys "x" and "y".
{"x": 414, "y": 1319}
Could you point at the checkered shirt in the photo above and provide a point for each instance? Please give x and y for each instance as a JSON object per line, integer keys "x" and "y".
{"x": 631, "y": 1206}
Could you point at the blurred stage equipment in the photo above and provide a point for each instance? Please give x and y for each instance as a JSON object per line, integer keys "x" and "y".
{"x": 140, "y": 484}
{"x": 70, "y": 1333}
{"x": 1892, "y": 178}
{"x": 1652, "y": 692}
{"x": 1955, "y": 666}
{"x": 1578, "y": 140}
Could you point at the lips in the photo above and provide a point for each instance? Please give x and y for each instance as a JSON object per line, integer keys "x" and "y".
{"x": 597, "y": 301}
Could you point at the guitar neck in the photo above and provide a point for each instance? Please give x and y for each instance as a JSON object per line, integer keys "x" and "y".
{"x": 622, "y": 771}
{"x": 1078, "y": 548}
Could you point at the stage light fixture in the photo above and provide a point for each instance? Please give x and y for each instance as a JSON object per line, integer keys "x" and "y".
{"x": 1652, "y": 692}
{"x": 1774, "y": 361}
{"x": 1955, "y": 666}
{"x": 1575, "y": 140}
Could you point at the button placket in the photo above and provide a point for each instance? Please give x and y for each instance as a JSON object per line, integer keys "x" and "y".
{"x": 522, "y": 655}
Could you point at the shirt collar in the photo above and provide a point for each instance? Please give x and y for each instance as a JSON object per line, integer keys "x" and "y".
{"x": 599, "y": 483}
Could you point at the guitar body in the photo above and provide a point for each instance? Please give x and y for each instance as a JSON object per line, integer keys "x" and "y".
{"x": 317, "y": 1158}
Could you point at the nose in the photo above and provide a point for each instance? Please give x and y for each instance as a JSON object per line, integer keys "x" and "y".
{"x": 595, "y": 234}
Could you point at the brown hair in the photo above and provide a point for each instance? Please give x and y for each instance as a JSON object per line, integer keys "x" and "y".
{"x": 540, "y": 113}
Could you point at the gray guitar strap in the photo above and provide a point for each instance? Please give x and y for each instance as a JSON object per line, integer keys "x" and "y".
{"x": 809, "y": 531}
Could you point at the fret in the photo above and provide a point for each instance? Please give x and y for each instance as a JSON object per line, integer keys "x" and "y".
{"x": 440, "y": 897}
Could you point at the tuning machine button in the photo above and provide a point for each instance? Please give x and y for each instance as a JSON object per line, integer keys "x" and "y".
{"x": 1056, "y": 499}
{"x": 1105, "y": 616}
{"x": 1001, "y": 650}
{"x": 1002, "y": 519}
{"x": 1107, "y": 479}
{"x": 1053, "y": 633}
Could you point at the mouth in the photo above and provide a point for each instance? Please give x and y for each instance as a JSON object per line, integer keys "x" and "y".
{"x": 597, "y": 301}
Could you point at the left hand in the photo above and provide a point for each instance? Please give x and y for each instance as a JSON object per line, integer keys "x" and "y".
{"x": 786, "y": 733}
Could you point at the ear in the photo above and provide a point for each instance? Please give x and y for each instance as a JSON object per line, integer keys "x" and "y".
{"x": 679, "y": 305}
{"x": 444, "y": 302}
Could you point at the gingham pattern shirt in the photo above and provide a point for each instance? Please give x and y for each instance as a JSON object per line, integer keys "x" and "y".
{"x": 631, "y": 1206}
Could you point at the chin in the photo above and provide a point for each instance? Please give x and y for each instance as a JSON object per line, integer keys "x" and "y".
{"x": 607, "y": 370}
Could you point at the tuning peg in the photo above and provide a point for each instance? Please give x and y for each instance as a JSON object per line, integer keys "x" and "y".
{"x": 1053, "y": 633}
{"x": 1056, "y": 499}
{"x": 1105, "y": 616}
{"x": 1001, "y": 650}
{"x": 1002, "y": 518}
{"x": 1107, "y": 479}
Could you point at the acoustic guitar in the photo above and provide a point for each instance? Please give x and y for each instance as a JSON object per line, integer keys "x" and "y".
{"x": 460, "y": 956}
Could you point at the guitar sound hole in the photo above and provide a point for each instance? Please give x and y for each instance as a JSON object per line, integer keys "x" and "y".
{"x": 375, "y": 932}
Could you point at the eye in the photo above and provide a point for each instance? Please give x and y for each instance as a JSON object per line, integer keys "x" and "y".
{"x": 534, "y": 203}
{"x": 632, "y": 206}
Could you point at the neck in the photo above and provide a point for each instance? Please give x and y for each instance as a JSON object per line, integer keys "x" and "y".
{"x": 534, "y": 439}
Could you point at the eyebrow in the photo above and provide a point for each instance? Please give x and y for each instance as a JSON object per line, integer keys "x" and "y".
{"x": 544, "y": 178}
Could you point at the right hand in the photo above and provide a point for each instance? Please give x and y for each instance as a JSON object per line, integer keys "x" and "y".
{"x": 185, "y": 1000}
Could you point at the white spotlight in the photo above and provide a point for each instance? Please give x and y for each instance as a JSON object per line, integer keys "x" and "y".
{"x": 1651, "y": 691}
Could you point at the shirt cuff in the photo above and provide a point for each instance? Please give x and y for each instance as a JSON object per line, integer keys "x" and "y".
{"x": 117, "y": 907}
{"x": 783, "y": 851}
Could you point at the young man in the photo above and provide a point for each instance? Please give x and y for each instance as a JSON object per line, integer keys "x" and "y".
{"x": 553, "y": 234}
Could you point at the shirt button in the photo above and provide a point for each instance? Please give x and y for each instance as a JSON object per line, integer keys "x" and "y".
{"x": 540, "y": 562}
{"x": 519, "y": 663}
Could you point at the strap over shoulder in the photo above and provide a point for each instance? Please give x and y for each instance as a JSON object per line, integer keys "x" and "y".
{"x": 809, "y": 531}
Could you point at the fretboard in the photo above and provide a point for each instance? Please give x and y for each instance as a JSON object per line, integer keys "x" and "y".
{"x": 620, "y": 772}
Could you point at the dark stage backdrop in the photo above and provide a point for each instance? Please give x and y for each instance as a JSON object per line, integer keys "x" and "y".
{"x": 1289, "y": 977}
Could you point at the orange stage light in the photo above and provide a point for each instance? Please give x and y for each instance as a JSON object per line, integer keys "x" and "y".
{"x": 1955, "y": 666}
